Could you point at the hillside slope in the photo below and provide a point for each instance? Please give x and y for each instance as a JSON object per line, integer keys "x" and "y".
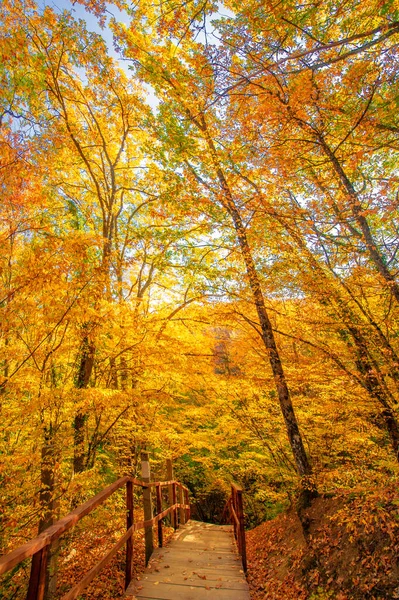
{"x": 352, "y": 552}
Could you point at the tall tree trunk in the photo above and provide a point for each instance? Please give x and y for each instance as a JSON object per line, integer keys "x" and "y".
{"x": 387, "y": 352}
{"x": 372, "y": 384}
{"x": 302, "y": 463}
{"x": 357, "y": 211}
{"x": 124, "y": 372}
{"x": 47, "y": 479}
{"x": 48, "y": 506}
{"x": 113, "y": 374}
{"x": 392, "y": 427}
{"x": 366, "y": 366}
{"x": 82, "y": 381}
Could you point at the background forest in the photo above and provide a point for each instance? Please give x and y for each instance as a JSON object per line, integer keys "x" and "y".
{"x": 199, "y": 252}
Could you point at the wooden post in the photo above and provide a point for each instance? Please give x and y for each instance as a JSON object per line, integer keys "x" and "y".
{"x": 186, "y": 500}
{"x": 147, "y": 505}
{"x": 234, "y": 507}
{"x": 182, "y": 515}
{"x": 129, "y": 523}
{"x": 37, "y": 580}
{"x": 159, "y": 510}
{"x": 174, "y": 512}
{"x": 241, "y": 533}
{"x": 169, "y": 474}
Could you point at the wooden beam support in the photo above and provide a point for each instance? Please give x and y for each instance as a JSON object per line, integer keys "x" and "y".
{"x": 159, "y": 511}
{"x": 37, "y": 579}
{"x": 170, "y": 476}
{"x": 187, "y": 502}
{"x": 182, "y": 511}
{"x": 241, "y": 529}
{"x": 129, "y": 523}
{"x": 147, "y": 505}
{"x": 174, "y": 501}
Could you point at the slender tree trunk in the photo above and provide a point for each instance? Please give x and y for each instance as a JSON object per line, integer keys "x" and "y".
{"x": 376, "y": 391}
{"x": 387, "y": 352}
{"x": 295, "y": 438}
{"x": 113, "y": 374}
{"x": 79, "y": 452}
{"x": 392, "y": 426}
{"x": 46, "y": 495}
{"x": 302, "y": 463}
{"x": 124, "y": 372}
{"x": 48, "y": 507}
{"x": 361, "y": 220}
{"x": 82, "y": 381}
{"x": 366, "y": 366}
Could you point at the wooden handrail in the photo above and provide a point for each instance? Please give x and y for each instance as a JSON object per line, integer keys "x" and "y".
{"x": 236, "y": 509}
{"x": 53, "y": 532}
{"x": 38, "y": 548}
{"x": 164, "y": 483}
{"x": 234, "y": 515}
{"x": 88, "y": 578}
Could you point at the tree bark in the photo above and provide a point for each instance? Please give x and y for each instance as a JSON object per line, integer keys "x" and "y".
{"x": 48, "y": 507}
{"x": 302, "y": 462}
{"x": 361, "y": 220}
{"x": 82, "y": 381}
{"x": 365, "y": 364}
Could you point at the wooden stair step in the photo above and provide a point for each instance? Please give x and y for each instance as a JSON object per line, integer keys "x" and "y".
{"x": 200, "y": 563}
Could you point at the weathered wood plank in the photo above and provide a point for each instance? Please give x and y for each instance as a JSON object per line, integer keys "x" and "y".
{"x": 184, "y": 592}
{"x": 200, "y": 563}
{"x": 200, "y": 578}
{"x": 200, "y": 558}
{"x": 129, "y": 541}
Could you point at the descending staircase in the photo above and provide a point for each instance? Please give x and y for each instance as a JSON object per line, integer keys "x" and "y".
{"x": 199, "y": 563}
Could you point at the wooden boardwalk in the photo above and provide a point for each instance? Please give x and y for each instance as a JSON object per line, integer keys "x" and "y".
{"x": 200, "y": 563}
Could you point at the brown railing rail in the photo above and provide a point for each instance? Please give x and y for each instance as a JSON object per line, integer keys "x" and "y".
{"x": 39, "y": 547}
{"x": 236, "y": 509}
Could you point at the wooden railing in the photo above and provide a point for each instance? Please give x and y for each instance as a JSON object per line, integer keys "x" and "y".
{"x": 39, "y": 547}
{"x": 235, "y": 508}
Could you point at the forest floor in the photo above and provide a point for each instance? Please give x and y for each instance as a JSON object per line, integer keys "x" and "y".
{"x": 352, "y": 552}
